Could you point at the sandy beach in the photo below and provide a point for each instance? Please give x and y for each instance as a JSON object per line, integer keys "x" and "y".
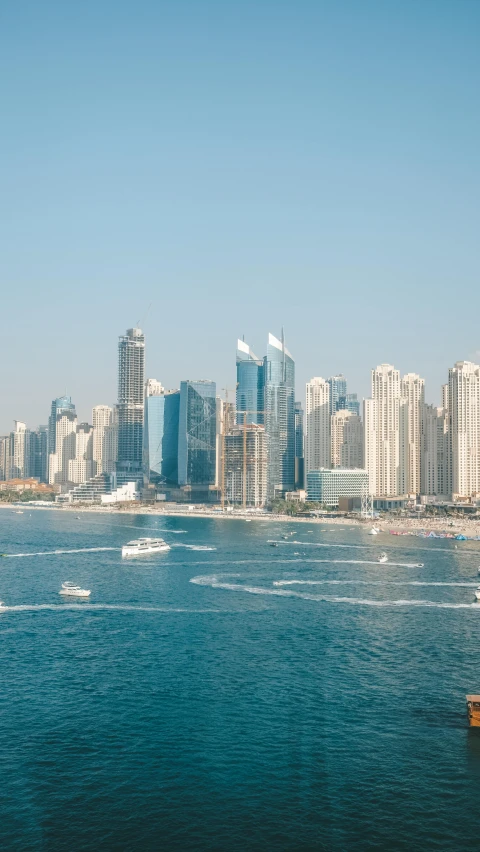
{"x": 469, "y": 527}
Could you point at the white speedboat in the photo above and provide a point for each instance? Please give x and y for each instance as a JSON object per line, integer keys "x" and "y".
{"x": 19, "y": 512}
{"x": 74, "y": 591}
{"x": 374, "y": 531}
{"x": 382, "y": 558}
{"x": 2, "y": 606}
{"x": 477, "y": 593}
{"x": 145, "y": 545}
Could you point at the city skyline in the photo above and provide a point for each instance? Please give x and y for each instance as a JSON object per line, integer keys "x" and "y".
{"x": 433, "y": 394}
{"x": 247, "y": 190}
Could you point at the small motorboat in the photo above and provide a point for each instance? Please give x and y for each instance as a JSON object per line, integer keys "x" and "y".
{"x": 19, "y": 512}
{"x": 3, "y": 606}
{"x": 477, "y": 593}
{"x": 374, "y": 531}
{"x": 273, "y": 544}
{"x": 74, "y": 591}
{"x": 382, "y": 558}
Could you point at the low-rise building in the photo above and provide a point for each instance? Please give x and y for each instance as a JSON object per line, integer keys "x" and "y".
{"x": 327, "y": 486}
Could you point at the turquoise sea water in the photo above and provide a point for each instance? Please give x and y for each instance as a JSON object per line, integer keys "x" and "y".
{"x": 240, "y": 697}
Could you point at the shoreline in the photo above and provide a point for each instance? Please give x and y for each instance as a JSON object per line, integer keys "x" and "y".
{"x": 406, "y": 526}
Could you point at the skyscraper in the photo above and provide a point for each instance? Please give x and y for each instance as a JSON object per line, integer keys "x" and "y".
{"x": 299, "y": 447}
{"x": 161, "y": 435}
{"x": 352, "y": 404}
{"x": 317, "y": 425}
{"x": 82, "y": 467}
{"x": 62, "y": 403}
{"x": 66, "y": 446}
{"x": 197, "y": 431}
{"x": 412, "y": 392}
{"x": 347, "y": 440}
{"x": 464, "y": 425}
{"x": 250, "y": 396}
{"x": 131, "y": 378}
{"x": 39, "y": 453}
{"x": 338, "y": 393}
{"x": 20, "y": 452}
{"x": 382, "y": 432}
{"x": 246, "y": 453}
{"x": 104, "y": 438}
{"x": 280, "y": 417}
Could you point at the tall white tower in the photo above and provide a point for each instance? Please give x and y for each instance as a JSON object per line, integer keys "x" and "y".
{"x": 412, "y": 391}
{"x": 104, "y": 438}
{"x": 317, "y": 425}
{"x": 464, "y": 424}
{"x": 382, "y": 432}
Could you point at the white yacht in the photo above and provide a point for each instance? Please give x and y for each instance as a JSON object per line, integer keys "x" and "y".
{"x": 74, "y": 591}
{"x": 145, "y": 545}
{"x": 382, "y": 558}
{"x": 477, "y": 593}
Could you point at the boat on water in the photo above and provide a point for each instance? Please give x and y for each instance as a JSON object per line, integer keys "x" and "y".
{"x": 19, "y": 512}
{"x": 473, "y": 710}
{"x": 382, "y": 558}
{"x": 74, "y": 591}
{"x": 374, "y": 531}
{"x": 477, "y": 593}
{"x": 273, "y": 544}
{"x": 3, "y": 606}
{"x": 145, "y": 545}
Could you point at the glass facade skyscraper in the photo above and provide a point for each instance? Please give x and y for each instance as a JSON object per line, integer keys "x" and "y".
{"x": 299, "y": 446}
{"x": 280, "y": 417}
{"x": 131, "y": 378}
{"x": 197, "y": 429}
{"x": 161, "y": 436}
{"x": 250, "y": 395}
{"x": 338, "y": 393}
{"x": 352, "y": 404}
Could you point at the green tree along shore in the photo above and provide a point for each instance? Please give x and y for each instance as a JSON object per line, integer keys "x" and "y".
{"x": 25, "y": 496}
{"x": 288, "y": 507}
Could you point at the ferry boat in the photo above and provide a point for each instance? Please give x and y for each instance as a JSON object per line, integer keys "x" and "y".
{"x": 473, "y": 710}
{"x": 145, "y": 545}
{"x": 74, "y": 591}
{"x": 382, "y": 558}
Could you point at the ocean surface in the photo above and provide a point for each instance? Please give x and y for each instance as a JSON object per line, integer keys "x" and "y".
{"x": 231, "y": 695}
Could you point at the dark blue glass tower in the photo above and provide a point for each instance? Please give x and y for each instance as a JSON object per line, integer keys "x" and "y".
{"x": 250, "y": 385}
{"x": 161, "y": 437}
{"x": 197, "y": 429}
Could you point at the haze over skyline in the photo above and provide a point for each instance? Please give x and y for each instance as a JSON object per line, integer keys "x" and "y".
{"x": 214, "y": 170}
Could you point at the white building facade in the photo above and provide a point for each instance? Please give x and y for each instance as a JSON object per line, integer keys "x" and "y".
{"x": 464, "y": 429}
{"x": 317, "y": 425}
{"x": 347, "y": 440}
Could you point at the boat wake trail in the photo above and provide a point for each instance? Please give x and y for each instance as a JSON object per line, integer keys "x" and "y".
{"x": 58, "y": 552}
{"x": 368, "y": 583}
{"x": 216, "y": 582}
{"x": 194, "y": 546}
{"x": 103, "y": 607}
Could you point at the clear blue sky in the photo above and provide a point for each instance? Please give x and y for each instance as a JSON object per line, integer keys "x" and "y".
{"x": 221, "y": 168}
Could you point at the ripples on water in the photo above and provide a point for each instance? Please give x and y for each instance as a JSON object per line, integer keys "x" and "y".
{"x": 238, "y": 699}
